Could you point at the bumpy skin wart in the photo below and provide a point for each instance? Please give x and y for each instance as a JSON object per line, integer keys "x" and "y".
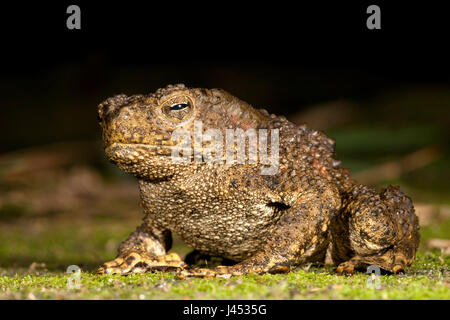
{"x": 310, "y": 211}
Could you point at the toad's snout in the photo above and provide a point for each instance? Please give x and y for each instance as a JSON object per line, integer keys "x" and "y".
{"x": 110, "y": 108}
{"x": 131, "y": 120}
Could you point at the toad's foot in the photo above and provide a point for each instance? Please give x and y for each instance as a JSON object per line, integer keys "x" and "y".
{"x": 220, "y": 271}
{"x": 139, "y": 263}
{"x": 228, "y": 271}
{"x": 348, "y": 267}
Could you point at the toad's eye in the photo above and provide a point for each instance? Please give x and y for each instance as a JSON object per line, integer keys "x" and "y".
{"x": 178, "y": 111}
{"x": 178, "y": 106}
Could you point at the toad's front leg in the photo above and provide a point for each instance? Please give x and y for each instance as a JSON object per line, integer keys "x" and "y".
{"x": 299, "y": 236}
{"x": 145, "y": 250}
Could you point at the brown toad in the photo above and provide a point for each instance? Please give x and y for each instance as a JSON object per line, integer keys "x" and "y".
{"x": 309, "y": 210}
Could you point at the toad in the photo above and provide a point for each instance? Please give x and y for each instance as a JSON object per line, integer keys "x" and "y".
{"x": 306, "y": 209}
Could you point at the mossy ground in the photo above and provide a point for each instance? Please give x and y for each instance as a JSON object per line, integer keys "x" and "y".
{"x": 89, "y": 245}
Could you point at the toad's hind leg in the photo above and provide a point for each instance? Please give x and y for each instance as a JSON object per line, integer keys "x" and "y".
{"x": 144, "y": 250}
{"x": 374, "y": 229}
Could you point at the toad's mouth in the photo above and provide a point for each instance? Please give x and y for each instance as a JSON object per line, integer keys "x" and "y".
{"x": 144, "y": 160}
{"x": 136, "y": 152}
{"x": 151, "y": 162}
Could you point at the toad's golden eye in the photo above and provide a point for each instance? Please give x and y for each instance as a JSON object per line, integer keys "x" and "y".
{"x": 179, "y": 111}
{"x": 179, "y": 106}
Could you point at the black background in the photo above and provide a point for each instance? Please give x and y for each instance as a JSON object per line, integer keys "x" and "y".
{"x": 173, "y": 309}
{"x": 412, "y": 41}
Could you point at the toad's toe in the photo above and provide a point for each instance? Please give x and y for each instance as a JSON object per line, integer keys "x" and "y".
{"x": 140, "y": 263}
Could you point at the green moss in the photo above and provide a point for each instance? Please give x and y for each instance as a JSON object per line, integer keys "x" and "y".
{"x": 87, "y": 245}
{"x": 436, "y": 230}
{"x": 427, "y": 279}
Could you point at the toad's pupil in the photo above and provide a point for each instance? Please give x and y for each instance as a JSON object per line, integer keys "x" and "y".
{"x": 179, "y": 106}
